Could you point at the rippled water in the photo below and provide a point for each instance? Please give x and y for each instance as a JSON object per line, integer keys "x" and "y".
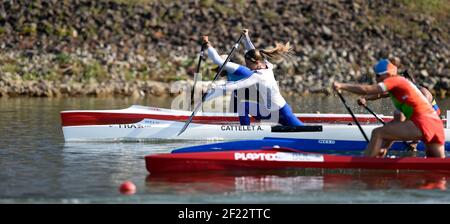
{"x": 36, "y": 166}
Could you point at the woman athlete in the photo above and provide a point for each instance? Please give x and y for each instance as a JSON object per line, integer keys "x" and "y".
{"x": 257, "y": 71}
{"x": 422, "y": 121}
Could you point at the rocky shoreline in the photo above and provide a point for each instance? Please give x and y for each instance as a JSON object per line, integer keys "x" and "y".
{"x": 12, "y": 87}
{"x": 51, "y": 48}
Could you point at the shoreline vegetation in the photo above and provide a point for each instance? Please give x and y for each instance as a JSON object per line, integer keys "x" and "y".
{"x": 58, "y": 48}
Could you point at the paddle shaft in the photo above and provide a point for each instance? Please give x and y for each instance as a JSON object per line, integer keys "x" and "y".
{"x": 224, "y": 63}
{"x": 353, "y": 115}
{"x": 375, "y": 115}
{"x": 200, "y": 57}
{"x": 198, "y": 106}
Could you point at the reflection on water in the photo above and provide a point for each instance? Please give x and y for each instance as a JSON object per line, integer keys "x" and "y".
{"x": 37, "y": 166}
{"x": 298, "y": 181}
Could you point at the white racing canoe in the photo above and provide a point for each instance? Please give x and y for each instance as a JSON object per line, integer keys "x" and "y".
{"x": 150, "y": 129}
{"x": 136, "y": 113}
{"x": 118, "y": 125}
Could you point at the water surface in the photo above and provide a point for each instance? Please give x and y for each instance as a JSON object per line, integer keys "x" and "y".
{"x": 37, "y": 166}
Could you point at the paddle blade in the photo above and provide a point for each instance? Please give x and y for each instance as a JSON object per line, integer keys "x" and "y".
{"x": 189, "y": 120}
{"x": 185, "y": 126}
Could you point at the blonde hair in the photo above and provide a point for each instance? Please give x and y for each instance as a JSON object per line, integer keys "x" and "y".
{"x": 277, "y": 53}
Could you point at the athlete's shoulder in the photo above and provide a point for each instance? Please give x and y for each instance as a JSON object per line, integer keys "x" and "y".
{"x": 243, "y": 72}
{"x": 392, "y": 82}
{"x": 396, "y": 77}
{"x": 395, "y": 80}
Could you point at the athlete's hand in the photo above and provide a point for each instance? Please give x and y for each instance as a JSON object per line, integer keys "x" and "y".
{"x": 337, "y": 86}
{"x": 245, "y": 32}
{"x": 212, "y": 86}
{"x": 205, "y": 40}
{"x": 362, "y": 101}
{"x": 208, "y": 88}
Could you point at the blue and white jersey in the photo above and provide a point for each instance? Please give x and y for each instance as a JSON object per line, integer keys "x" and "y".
{"x": 268, "y": 86}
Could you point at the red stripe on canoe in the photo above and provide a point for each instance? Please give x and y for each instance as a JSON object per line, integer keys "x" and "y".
{"x": 270, "y": 160}
{"x": 100, "y": 118}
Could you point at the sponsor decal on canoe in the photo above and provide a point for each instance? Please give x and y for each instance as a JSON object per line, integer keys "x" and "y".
{"x": 327, "y": 141}
{"x": 241, "y": 128}
{"x": 146, "y": 123}
{"x": 153, "y": 121}
{"x": 129, "y": 126}
{"x": 254, "y": 156}
{"x": 279, "y": 156}
{"x": 298, "y": 157}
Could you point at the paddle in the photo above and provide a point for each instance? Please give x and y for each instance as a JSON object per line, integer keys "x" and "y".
{"x": 200, "y": 57}
{"x": 353, "y": 116}
{"x": 198, "y": 106}
{"x": 408, "y": 146}
{"x": 374, "y": 114}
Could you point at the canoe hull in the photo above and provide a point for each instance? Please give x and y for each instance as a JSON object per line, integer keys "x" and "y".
{"x": 306, "y": 145}
{"x": 167, "y": 130}
{"x": 136, "y": 113}
{"x": 273, "y": 159}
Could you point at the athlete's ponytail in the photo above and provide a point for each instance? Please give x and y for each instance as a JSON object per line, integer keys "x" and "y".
{"x": 280, "y": 51}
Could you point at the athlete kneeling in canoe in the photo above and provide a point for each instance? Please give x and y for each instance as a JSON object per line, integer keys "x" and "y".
{"x": 258, "y": 70}
{"x": 422, "y": 122}
{"x": 398, "y": 115}
{"x": 242, "y": 96}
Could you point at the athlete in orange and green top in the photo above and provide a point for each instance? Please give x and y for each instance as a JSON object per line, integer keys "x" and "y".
{"x": 406, "y": 97}
{"x": 424, "y": 91}
{"x": 422, "y": 122}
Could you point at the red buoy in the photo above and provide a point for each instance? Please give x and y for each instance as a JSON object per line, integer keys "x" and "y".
{"x": 127, "y": 188}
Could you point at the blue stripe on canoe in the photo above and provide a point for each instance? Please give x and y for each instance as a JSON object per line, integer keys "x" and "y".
{"x": 307, "y": 145}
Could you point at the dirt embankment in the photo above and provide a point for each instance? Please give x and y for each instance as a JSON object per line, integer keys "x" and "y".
{"x": 101, "y": 48}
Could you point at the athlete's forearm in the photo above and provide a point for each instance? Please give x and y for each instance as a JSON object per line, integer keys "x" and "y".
{"x": 248, "y": 44}
{"x": 215, "y": 57}
{"x": 376, "y": 96}
{"x": 230, "y": 86}
{"x": 362, "y": 89}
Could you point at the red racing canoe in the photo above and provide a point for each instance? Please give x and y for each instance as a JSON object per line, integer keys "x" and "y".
{"x": 282, "y": 158}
